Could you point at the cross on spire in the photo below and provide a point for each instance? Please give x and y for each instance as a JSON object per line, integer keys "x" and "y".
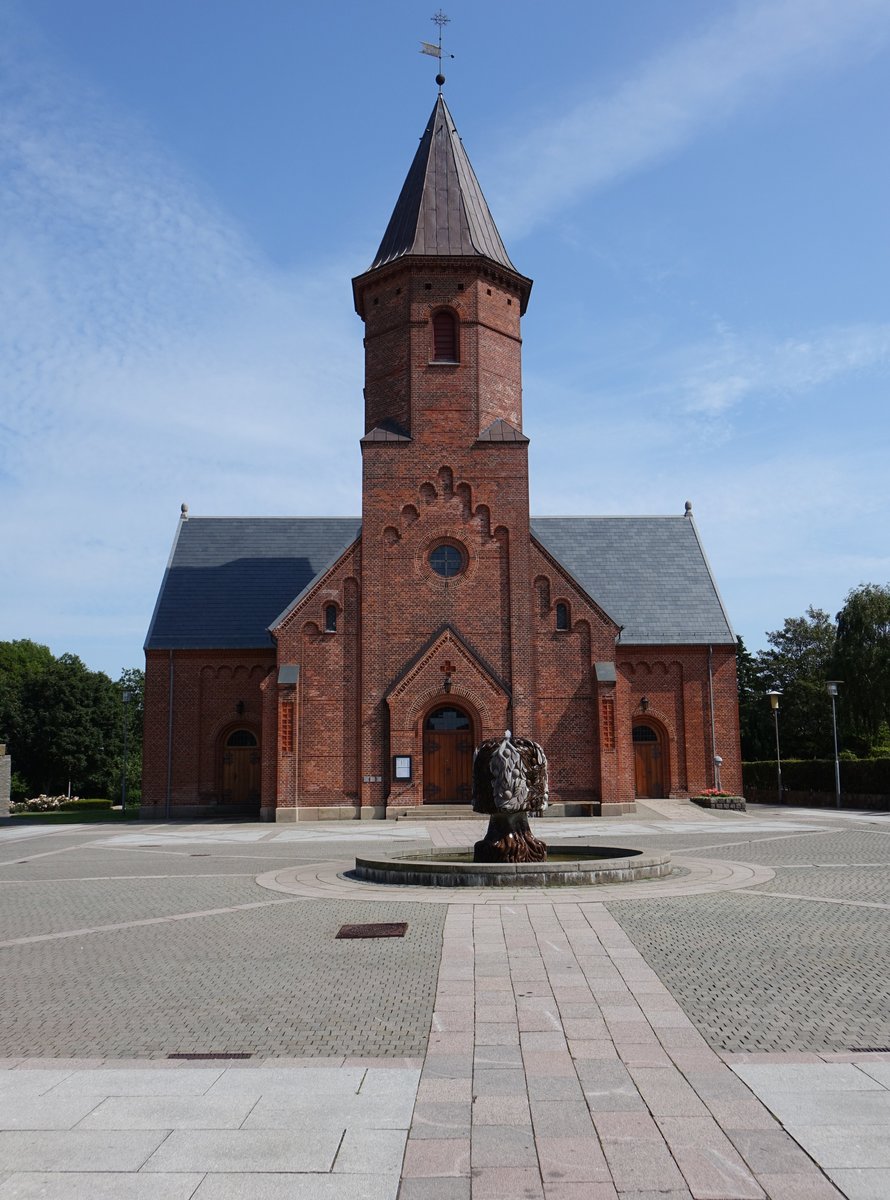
{"x": 435, "y": 48}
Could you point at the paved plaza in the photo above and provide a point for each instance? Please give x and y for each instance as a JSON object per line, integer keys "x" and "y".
{"x": 179, "y": 1019}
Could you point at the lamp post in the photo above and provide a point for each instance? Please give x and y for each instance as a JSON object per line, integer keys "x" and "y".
{"x": 774, "y": 705}
{"x": 832, "y": 685}
{"x": 125, "y": 697}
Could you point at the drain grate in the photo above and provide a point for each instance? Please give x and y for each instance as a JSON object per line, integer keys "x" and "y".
{"x": 378, "y": 929}
{"x": 211, "y": 1054}
{"x": 869, "y": 1049}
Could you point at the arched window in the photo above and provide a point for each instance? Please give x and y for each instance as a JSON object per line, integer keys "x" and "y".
{"x": 241, "y": 737}
{"x": 330, "y": 618}
{"x": 445, "y": 337}
{"x": 644, "y": 733}
{"x": 448, "y": 719}
{"x": 562, "y": 616}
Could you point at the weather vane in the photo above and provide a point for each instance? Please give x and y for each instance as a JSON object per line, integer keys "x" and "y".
{"x": 434, "y": 49}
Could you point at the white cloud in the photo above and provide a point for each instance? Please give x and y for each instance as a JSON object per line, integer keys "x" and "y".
{"x": 746, "y": 53}
{"x": 724, "y": 375}
{"x": 150, "y": 355}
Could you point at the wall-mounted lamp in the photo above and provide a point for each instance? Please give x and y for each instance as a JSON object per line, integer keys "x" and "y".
{"x": 644, "y": 704}
{"x": 239, "y": 708}
{"x": 447, "y": 669}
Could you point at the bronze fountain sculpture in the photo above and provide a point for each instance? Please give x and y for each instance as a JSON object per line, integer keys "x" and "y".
{"x": 509, "y": 783}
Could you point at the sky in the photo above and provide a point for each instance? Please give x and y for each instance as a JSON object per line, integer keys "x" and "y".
{"x": 700, "y": 190}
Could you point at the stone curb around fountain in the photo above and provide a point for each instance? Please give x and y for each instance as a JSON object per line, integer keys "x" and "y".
{"x": 330, "y": 880}
{"x": 587, "y": 865}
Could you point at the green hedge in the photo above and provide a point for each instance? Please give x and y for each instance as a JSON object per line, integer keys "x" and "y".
{"x": 864, "y": 777}
{"x": 85, "y": 805}
{"x": 71, "y": 817}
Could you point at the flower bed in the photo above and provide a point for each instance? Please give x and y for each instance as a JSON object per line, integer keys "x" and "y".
{"x": 715, "y": 798}
{"x": 43, "y": 804}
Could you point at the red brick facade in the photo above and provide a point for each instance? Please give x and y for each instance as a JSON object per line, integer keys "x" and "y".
{"x": 381, "y": 640}
{"x": 363, "y": 690}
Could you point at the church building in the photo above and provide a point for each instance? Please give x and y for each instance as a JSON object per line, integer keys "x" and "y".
{"x": 305, "y": 668}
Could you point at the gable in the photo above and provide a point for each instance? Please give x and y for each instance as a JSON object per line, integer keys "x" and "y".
{"x": 228, "y": 578}
{"x": 649, "y": 574}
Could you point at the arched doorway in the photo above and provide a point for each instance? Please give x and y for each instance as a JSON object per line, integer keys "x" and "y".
{"x": 447, "y": 756}
{"x": 240, "y": 790}
{"x": 650, "y": 762}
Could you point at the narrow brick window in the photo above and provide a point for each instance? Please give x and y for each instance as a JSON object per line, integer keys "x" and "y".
{"x": 286, "y": 727}
{"x": 562, "y": 616}
{"x": 607, "y": 722}
{"x": 444, "y": 337}
{"x": 330, "y": 618}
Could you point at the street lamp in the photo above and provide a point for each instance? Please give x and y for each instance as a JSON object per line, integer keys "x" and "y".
{"x": 832, "y": 686}
{"x": 125, "y": 697}
{"x": 774, "y": 705}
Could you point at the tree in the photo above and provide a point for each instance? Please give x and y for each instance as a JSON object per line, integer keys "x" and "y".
{"x": 64, "y": 723}
{"x": 798, "y": 663}
{"x": 755, "y": 726}
{"x": 131, "y": 682}
{"x": 862, "y": 659}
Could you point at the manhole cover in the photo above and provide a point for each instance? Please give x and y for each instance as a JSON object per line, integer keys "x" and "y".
{"x": 378, "y": 929}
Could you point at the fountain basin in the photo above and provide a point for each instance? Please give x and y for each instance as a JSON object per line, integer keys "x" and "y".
{"x": 565, "y": 866}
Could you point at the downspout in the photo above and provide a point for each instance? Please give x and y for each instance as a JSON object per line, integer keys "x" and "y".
{"x": 169, "y": 738}
{"x": 713, "y": 726}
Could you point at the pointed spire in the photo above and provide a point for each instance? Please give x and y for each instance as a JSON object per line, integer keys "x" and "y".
{"x": 441, "y": 209}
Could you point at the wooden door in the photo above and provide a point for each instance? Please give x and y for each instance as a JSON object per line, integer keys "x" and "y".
{"x": 650, "y": 763}
{"x": 241, "y": 771}
{"x": 447, "y": 757}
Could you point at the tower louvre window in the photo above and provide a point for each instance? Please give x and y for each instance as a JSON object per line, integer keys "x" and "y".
{"x": 444, "y": 337}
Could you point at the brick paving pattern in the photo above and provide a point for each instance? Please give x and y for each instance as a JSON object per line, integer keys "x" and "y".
{"x": 764, "y": 973}
{"x": 676, "y": 1046}
{"x": 269, "y": 979}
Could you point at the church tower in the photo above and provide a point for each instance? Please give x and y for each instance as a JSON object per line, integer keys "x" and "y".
{"x": 447, "y": 651}
{"x": 313, "y": 668}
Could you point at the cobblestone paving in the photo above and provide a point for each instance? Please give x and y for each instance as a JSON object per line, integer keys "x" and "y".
{"x": 109, "y": 856}
{"x": 832, "y": 846}
{"x": 52, "y": 906}
{"x": 761, "y": 973}
{"x": 268, "y": 981}
{"x": 865, "y": 883}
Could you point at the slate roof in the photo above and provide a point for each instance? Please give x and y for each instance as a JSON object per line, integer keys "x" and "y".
{"x": 650, "y": 574}
{"x": 441, "y": 209}
{"x": 501, "y": 431}
{"x": 228, "y": 578}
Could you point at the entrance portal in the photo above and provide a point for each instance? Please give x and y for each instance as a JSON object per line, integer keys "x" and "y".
{"x": 650, "y": 763}
{"x": 241, "y": 772}
{"x": 447, "y": 757}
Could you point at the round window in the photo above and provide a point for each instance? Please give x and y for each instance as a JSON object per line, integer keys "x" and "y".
{"x": 446, "y": 560}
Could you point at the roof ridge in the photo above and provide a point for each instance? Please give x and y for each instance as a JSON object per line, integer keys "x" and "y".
{"x": 275, "y": 517}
